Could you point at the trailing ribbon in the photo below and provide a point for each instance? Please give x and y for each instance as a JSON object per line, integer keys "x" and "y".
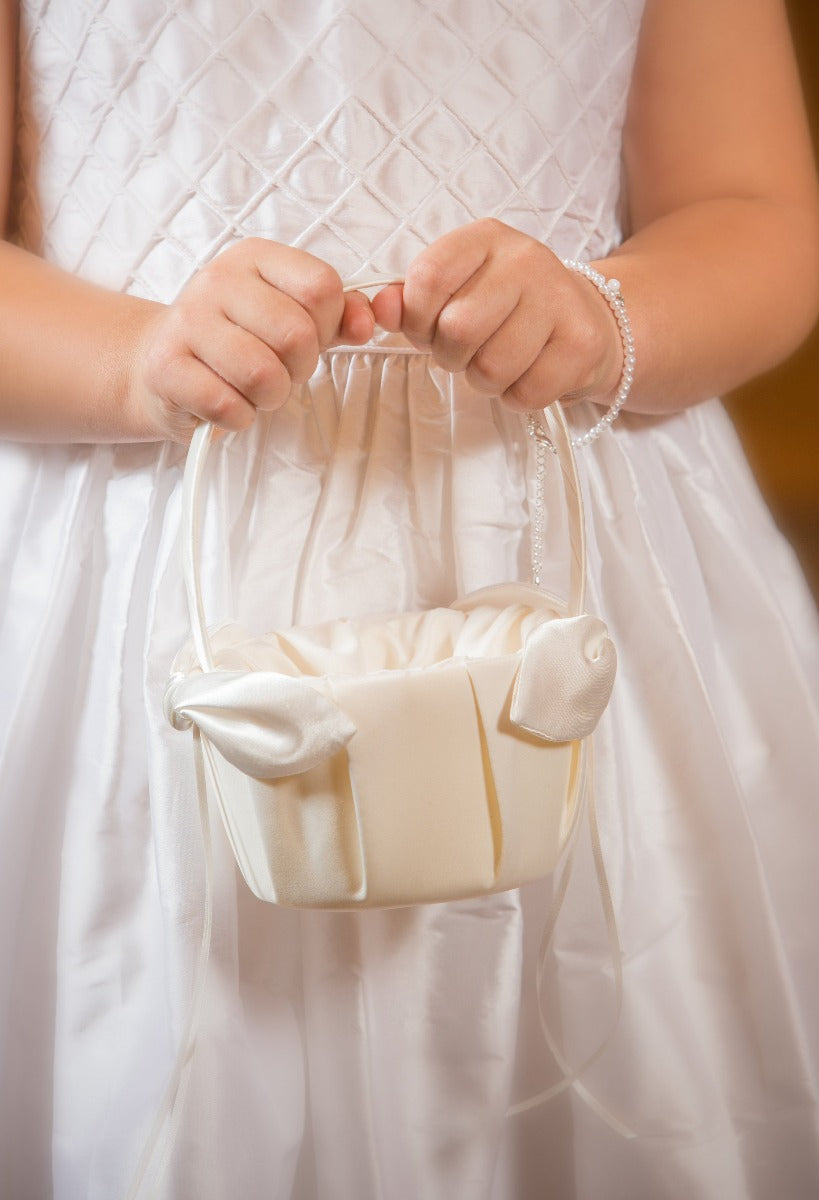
{"x": 572, "y": 1075}
{"x": 265, "y": 723}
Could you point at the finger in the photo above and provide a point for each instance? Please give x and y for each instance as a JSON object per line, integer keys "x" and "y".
{"x": 436, "y": 275}
{"x": 191, "y": 391}
{"x": 244, "y": 362}
{"x": 388, "y": 307}
{"x": 511, "y": 349}
{"x": 312, "y": 283}
{"x": 277, "y": 322}
{"x": 581, "y": 358}
{"x": 481, "y": 311}
{"x": 554, "y": 375}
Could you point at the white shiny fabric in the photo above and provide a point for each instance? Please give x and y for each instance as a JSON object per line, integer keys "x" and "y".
{"x": 565, "y": 679}
{"x": 263, "y": 722}
{"x": 373, "y": 1055}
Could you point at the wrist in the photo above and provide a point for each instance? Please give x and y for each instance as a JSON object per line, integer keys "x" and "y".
{"x": 138, "y": 411}
{"x": 608, "y": 287}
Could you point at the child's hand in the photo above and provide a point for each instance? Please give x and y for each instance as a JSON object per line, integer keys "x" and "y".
{"x": 490, "y": 301}
{"x": 245, "y": 329}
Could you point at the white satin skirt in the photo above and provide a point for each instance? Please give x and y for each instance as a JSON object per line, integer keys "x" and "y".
{"x": 374, "y": 1055}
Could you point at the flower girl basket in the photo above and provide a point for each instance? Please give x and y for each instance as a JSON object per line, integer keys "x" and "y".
{"x": 397, "y": 759}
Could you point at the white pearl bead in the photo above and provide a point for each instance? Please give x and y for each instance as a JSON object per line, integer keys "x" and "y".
{"x": 610, "y": 290}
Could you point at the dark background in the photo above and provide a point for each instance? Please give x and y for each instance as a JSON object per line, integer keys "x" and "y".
{"x": 777, "y": 416}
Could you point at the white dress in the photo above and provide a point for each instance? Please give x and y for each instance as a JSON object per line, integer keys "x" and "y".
{"x": 374, "y": 1055}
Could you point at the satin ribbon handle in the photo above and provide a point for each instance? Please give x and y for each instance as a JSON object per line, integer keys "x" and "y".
{"x": 265, "y": 723}
{"x": 556, "y": 436}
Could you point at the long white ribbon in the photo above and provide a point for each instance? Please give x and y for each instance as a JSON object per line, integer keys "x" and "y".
{"x": 572, "y": 1075}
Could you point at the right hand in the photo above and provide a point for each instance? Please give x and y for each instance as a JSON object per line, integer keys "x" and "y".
{"x": 248, "y": 326}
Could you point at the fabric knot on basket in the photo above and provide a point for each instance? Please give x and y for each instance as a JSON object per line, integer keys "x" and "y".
{"x": 264, "y": 723}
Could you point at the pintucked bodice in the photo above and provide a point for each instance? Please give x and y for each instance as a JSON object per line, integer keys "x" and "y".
{"x": 356, "y": 129}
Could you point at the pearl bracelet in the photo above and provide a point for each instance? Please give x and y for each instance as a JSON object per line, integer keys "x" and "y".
{"x": 609, "y": 289}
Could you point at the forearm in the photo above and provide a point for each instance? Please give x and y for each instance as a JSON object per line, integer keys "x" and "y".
{"x": 717, "y": 292}
{"x": 66, "y": 354}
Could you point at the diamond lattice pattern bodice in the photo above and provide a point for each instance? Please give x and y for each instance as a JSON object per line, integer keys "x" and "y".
{"x": 359, "y": 131}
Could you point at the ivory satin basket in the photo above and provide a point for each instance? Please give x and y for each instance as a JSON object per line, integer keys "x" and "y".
{"x": 397, "y": 759}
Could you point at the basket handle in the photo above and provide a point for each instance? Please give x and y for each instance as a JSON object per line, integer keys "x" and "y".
{"x": 553, "y": 434}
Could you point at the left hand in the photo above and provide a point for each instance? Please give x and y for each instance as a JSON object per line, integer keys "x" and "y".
{"x": 498, "y": 305}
